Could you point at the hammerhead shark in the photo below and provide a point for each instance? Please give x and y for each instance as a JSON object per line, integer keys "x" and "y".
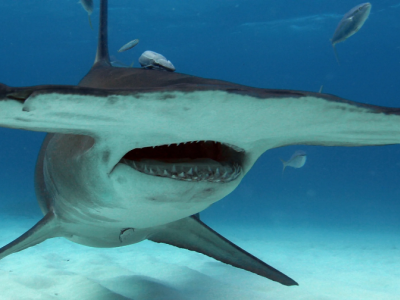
{"x": 134, "y": 154}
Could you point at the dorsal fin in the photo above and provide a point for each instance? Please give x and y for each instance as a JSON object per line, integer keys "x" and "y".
{"x": 102, "y": 56}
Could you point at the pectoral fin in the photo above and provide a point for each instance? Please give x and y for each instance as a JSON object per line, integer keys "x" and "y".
{"x": 192, "y": 234}
{"x": 46, "y": 228}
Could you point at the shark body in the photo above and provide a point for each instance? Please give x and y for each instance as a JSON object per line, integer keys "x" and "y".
{"x": 134, "y": 154}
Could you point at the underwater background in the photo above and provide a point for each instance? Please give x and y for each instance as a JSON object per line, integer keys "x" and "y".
{"x": 278, "y": 44}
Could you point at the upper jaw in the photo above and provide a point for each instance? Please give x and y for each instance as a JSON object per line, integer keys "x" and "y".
{"x": 194, "y": 161}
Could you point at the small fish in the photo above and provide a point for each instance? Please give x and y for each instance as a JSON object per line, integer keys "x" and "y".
{"x": 117, "y": 63}
{"x": 88, "y": 6}
{"x": 351, "y": 22}
{"x": 129, "y": 45}
{"x": 297, "y": 160}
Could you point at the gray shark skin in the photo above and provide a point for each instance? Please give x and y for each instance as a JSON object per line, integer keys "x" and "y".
{"x": 134, "y": 154}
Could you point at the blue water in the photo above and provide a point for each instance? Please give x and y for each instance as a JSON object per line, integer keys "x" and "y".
{"x": 271, "y": 44}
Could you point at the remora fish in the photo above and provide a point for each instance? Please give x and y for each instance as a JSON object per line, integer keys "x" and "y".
{"x": 151, "y": 59}
{"x": 297, "y": 160}
{"x": 133, "y": 153}
{"x": 88, "y": 7}
{"x": 351, "y": 22}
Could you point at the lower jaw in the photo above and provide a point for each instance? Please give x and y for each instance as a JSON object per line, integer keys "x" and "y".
{"x": 197, "y": 170}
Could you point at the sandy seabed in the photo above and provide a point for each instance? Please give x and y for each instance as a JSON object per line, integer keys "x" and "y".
{"x": 328, "y": 264}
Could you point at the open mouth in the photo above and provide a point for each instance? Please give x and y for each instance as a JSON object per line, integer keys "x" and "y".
{"x": 192, "y": 161}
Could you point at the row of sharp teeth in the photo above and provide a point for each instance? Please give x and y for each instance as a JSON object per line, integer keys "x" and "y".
{"x": 212, "y": 172}
{"x": 236, "y": 148}
{"x": 183, "y": 143}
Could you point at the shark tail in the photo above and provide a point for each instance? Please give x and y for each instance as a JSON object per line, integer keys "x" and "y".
{"x": 47, "y": 227}
{"x": 192, "y": 234}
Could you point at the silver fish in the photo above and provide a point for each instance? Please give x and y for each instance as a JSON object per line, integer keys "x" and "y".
{"x": 129, "y": 45}
{"x": 351, "y": 22}
{"x": 297, "y": 160}
{"x": 88, "y": 7}
{"x": 117, "y": 63}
